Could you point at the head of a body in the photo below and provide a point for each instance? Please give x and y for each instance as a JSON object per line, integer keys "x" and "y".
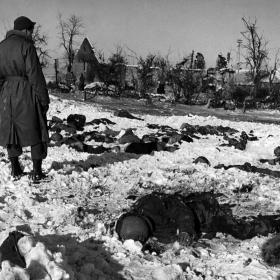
{"x": 134, "y": 226}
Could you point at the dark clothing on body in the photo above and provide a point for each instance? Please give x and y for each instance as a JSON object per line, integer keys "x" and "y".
{"x": 24, "y": 97}
{"x": 195, "y": 214}
{"x": 9, "y": 249}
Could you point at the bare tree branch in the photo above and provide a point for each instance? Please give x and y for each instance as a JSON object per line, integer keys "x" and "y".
{"x": 256, "y": 51}
{"x": 68, "y": 31}
{"x": 41, "y": 41}
{"x": 133, "y": 53}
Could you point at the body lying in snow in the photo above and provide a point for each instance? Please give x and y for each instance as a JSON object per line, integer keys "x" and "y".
{"x": 24, "y": 258}
{"x": 173, "y": 217}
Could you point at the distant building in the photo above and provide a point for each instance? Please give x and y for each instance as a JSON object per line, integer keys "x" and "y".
{"x": 275, "y": 75}
{"x": 242, "y": 78}
{"x": 86, "y": 62}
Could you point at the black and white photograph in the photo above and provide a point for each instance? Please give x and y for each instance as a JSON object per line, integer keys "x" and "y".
{"x": 139, "y": 140}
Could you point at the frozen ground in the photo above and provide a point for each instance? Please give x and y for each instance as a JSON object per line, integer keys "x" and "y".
{"x": 82, "y": 245}
{"x": 168, "y": 109}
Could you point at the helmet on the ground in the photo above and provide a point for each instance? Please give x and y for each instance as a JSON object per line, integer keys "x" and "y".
{"x": 130, "y": 226}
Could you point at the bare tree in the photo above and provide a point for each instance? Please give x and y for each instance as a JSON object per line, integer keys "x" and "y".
{"x": 145, "y": 79}
{"x": 113, "y": 70}
{"x": 117, "y": 64}
{"x": 256, "y": 52}
{"x": 41, "y": 41}
{"x": 199, "y": 62}
{"x": 69, "y": 29}
{"x": 275, "y": 66}
{"x": 146, "y": 74}
{"x": 100, "y": 55}
{"x": 118, "y": 56}
{"x": 184, "y": 82}
{"x": 273, "y": 87}
{"x": 163, "y": 65}
{"x": 190, "y": 62}
{"x": 221, "y": 62}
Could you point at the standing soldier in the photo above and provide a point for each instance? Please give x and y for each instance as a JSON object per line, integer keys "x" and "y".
{"x": 82, "y": 82}
{"x": 24, "y": 99}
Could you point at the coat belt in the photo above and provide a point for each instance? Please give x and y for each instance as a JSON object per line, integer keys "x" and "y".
{"x": 16, "y": 78}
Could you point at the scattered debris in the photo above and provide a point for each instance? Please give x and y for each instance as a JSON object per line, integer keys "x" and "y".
{"x": 202, "y": 159}
{"x": 250, "y": 168}
{"x": 126, "y": 114}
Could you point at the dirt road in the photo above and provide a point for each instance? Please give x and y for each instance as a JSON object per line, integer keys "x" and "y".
{"x": 138, "y": 106}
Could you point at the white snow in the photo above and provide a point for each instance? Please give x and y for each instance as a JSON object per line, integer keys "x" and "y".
{"x": 95, "y": 85}
{"x": 71, "y": 247}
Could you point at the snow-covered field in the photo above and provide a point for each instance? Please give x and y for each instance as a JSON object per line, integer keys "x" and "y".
{"x": 80, "y": 241}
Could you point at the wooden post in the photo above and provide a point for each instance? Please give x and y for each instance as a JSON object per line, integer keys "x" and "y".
{"x": 85, "y": 93}
{"x": 192, "y": 57}
{"x": 56, "y": 71}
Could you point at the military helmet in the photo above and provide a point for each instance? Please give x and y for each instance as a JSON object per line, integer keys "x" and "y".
{"x": 23, "y": 22}
{"x": 133, "y": 226}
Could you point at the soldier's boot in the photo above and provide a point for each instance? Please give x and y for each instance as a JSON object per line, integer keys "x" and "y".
{"x": 16, "y": 171}
{"x": 37, "y": 174}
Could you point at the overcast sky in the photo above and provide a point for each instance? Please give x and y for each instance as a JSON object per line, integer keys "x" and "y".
{"x": 175, "y": 26}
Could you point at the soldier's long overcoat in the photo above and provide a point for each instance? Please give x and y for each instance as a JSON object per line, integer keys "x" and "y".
{"x": 23, "y": 92}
